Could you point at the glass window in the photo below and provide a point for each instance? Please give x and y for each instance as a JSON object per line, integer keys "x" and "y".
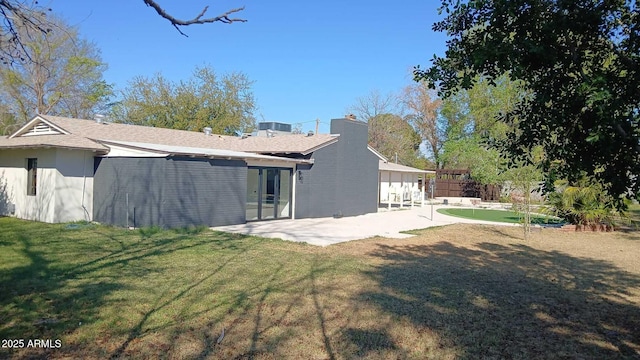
{"x": 284, "y": 195}
{"x": 32, "y": 176}
{"x": 268, "y": 193}
{"x": 253, "y": 188}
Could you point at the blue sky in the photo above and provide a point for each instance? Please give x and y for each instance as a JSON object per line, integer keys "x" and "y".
{"x": 308, "y": 59}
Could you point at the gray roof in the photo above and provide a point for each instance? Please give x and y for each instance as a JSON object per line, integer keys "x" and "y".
{"x": 387, "y": 166}
{"x": 87, "y": 134}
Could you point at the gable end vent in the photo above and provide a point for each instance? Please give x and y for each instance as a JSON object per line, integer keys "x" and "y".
{"x": 42, "y": 128}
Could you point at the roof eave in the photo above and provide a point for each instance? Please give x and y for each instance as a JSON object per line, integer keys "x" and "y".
{"x": 377, "y": 153}
{"x": 49, "y": 146}
{"x": 238, "y": 156}
{"x": 318, "y": 147}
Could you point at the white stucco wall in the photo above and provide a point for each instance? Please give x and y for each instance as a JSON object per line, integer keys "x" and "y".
{"x": 73, "y": 186}
{"x": 13, "y": 168}
{"x": 62, "y": 176}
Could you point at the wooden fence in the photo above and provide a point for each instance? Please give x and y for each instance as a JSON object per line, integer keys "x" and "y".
{"x": 458, "y": 183}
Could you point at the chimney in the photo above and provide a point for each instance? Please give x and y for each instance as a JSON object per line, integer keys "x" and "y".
{"x": 207, "y": 131}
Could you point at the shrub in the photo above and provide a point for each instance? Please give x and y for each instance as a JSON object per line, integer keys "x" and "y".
{"x": 583, "y": 203}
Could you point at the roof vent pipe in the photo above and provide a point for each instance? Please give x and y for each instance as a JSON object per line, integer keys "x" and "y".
{"x": 207, "y": 131}
{"x": 99, "y": 118}
{"x": 310, "y": 133}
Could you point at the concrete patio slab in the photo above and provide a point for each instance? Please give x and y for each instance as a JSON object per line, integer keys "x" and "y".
{"x": 328, "y": 231}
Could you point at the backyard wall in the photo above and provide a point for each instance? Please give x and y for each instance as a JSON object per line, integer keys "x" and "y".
{"x": 169, "y": 192}
{"x": 343, "y": 180}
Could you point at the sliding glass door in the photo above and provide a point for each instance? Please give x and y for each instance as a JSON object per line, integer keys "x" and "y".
{"x": 268, "y": 193}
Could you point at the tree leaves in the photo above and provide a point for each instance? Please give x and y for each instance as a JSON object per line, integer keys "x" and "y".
{"x": 579, "y": 63}
{"x": 225, "y": 104}
{"x": 64, "y": 77}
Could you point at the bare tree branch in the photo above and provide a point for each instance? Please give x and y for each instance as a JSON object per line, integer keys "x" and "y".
{"x": 19, "y": 13}
{"x": 199, "y": 19}
{"x": 31, "y": 16}
{"x": 374, "y": 104}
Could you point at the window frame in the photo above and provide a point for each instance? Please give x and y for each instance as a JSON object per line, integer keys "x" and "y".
{"x": 32, "y": 176}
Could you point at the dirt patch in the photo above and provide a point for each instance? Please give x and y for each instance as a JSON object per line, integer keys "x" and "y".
{"x": 619, "y": 247}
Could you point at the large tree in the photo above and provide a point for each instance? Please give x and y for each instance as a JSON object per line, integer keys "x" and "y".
{"x": 579, "y": 62}
{"x": 64, "y": 78}
{"x": 390, "y": 132}
{"x": 394, "y": 138}
{"x": 423, "y": 114}
{"x": 30, "y": 14}
{"x": 224, "y": 103}
{"x": 8, "y": 121}
{"x": 477, "y": 111}
{"x": 485, "y": 163}
{"x": 373, "y": 104}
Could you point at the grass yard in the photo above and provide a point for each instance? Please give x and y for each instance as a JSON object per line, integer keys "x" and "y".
{"x": 454, "y": 292}
{"x": 496, "y": 215}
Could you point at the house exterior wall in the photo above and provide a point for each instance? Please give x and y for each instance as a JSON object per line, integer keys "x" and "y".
{"x": 61, "y": 184}
{"x": 169, "y": 192}
{"x": 343, "y": 180}
{"x": 315, "y": 185}
{"x": 357, "y": 168}
{"x": 127, "y": 191}
{"x": 204, "y": 192}
{"x": 13, "y": 168}
{"x": 73, "y": 186}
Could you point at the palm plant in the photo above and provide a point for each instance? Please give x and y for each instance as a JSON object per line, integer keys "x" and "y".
{"x": 583, "y": 203}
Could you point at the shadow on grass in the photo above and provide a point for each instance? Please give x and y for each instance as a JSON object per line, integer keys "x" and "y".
{"x": 369, "y": 341}
{"x": 422, "y": 231}
{"x": 501, "y": 232}
{"x": 186, "y": 289}
{"x": 269, "y": 331}
{"x": 56, "y": 280}
{"x": 510, "y": 301}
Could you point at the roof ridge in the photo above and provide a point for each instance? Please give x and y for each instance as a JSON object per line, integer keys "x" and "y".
{"x": 53, "y": 118}
{"x": 93, "y": 131}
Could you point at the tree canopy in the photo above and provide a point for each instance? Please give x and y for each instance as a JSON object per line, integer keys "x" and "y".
{"x": 224, "y": 103}
{"x": 390, "y": 131}
{"x": 64, "y": 78}
{"x": 579, "y": 63}
{"x": 422, "y": 108}
{"x": 394, "y": 138}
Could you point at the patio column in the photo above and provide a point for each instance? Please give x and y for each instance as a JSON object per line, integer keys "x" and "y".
{"x": 413, "y": 180}
{"x": 424, "y": 183}
{"x": 389, "y": 191}
{"x": 401, "y": 190}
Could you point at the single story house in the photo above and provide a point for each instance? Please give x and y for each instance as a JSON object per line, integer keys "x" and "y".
{"x": 57, "y": 169}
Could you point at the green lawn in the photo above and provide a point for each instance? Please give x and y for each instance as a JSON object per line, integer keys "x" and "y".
{"x": 496, "y": 215}
{"x": 455, "y": 292}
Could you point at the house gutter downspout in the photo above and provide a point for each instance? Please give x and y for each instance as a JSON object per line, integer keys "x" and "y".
{"x": 293, "y": 191}
{"x": 84, "y": 184}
